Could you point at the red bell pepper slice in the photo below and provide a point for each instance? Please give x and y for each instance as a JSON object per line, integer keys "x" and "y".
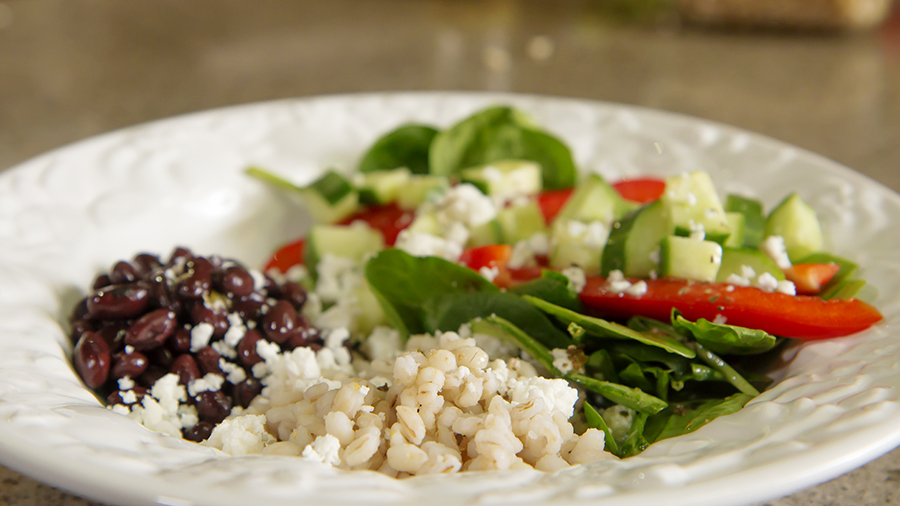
{"x": 801, "y": 317}
{"x": 551, "y": 203}
{"x": 492, "y": 255}
{"x": 389, "y": 219}
{"x": 287, "y": 256}
{"x": 809, "y": 278}
{"x": 643, "y": 190}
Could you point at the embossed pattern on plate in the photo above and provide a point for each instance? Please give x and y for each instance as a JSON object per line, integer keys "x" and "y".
{"x": 72, "y": 212}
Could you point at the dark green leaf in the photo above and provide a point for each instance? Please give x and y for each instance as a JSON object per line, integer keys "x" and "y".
{"x": 404, "y": 283}
{"x": 633, "y": 375}
{"x": 448, "y": 312}
{"x": 504, "y": 329}
{"x": 726, "y": 339}
{"x": 635, "y": 442}
{"x": 604, "y": 329}
{"x": 633, "y": 398}
{"x": 595, "y": 421}
{"x": 407, "y": 146}
{"x": 501, "y": 133}
{"x": 601, "y": 363}
{"x": 688, "y": 417}
{"x": 552, "y": 287}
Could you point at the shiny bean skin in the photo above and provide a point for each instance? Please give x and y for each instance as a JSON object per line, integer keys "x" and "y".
{"x": 116, "y": 397}
{"x": 213, "y": 406}
{"x": 129, "y": 364}
{"x": 236, "y": 282}
{"x": 145, "y": 263}
{"x": 180, "y": 341}
{"x": 151, "y": 330}
{"x": 218, "y": 319}
{"x": 208, "y": 360}
{"x": 186, "y": 368}
{"x": 199, "y": 281}
{"x": 92, "y": 359}
{"x": 178, "y": 254}
{"x": 246, "y": 348}
{"x": 248, "y": 309}
{"x": 295, "y": 293}
{"x": 80, "y": 312}
{"x": 123, "y": 272}
{"x": 246, "y": 391}
{"x": 281, "y": 322}
{"x": 153, "y": 373}
{"x": 118, "y": 301}
{"x": 161, "y": 357}
{"x": 80, "y": 327}
{"x": 113, "y": 332}
{"x": 102, "y": 281}
{"x": 199, "y": 432}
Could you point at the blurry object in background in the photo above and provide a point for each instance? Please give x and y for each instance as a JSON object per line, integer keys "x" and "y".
{"x": 814, "y": 14}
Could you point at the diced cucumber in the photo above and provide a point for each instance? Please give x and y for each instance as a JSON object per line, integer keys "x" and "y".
{"x": 425, "y": 223}
{"x": 633, "y": 241}
{"x": 354, "y": 241}
{"x": 795, "y": 221}
{"x": 520, "y": 222}
{"x": 487, "y": 233}
{"x": 370, "y": 313}
{"x": 754, "y": 219}
{"x": 595, "y": 200}
{"x": 576, "y": 243}
{"x": 383, "y": 186}
{"x": 738, "y": 224}
{"x": 693, "y": 204}
{"x": 505, "y": 179}
{"x": 329, "y": 199}
{"x": 733, "y": 259}
{"x": 686, "y": 258}
{"x": 420, "y": 188}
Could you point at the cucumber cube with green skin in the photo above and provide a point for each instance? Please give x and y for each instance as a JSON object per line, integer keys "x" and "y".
{"x": 754, "y": 219}
{"x": 595, "y": 200}
{"x": 519, "y": 222}
{"x": 421, "y": 188}
{"x": 370, "y": 313}
{"x": 573, "y": 243}
{"x": 795, "y": 221}
{"x": 633, "y": 241}
{"x": 505, "y": 179}
{"x": 425, "y": 223}
{"x": 355, "y": 241}
{"x": 487, "y": 233}
{"x": 693, "y": 205}
{"x": 685, "y": 258}
{"x": 737, "y": 222}
{"x": 734, "y": 260}
{"x": 382, "y": 187}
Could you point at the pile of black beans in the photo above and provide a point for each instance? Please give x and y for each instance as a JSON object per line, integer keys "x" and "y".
{"x": 137, "y": 322}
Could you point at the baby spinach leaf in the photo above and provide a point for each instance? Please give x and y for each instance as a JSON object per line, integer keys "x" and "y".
{"x": 633, "y": 375}
{"x": 725, "y": 339}
{"x": 595, "y": 421}
{"x": 552, "y": 287}
{"x": 633, "y": 398}
{"x": 731, "y": 375}
{"x": 635, "y": 442}
{"x": 504, "y": 329}
{"x": 604, "y": 329}
{"x": 448, "y": 312}
{"x": 600, "y": 362}
{"x": 642, "y": 353}
{"x": 501, "y": 133}
{"x": 404, "y": 283}
{"x": 407, "y": 146}
{"x": 688, "y": 417}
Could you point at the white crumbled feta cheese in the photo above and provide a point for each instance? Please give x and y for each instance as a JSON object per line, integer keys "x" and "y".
{"x": 637, "y": 289}
{"x": 457, "y": 233}
{"x": 720, "y": 319}
{"x": 556, "y": 393}
{"x": 223, "y": 349}
{"x": 423, "y": 245}
{"x": 561, "y": 360}
{"x": 383, "y": 343}
{"x": 690, "y": 199}
{"x": 126, "y": 383}
{"x": 259, "y": 279}
{"x": 595, "y": 235}
{"x": 774, "y": 248}
{"x": 234, "y": 373}
{"x": 338, "y": 277}
{"x": 747, "y": 272}
{"x": 240, "y": 435}
{"x": 698, "y": 231}
{"x": 325, "y": 449}
{"x": 236, "y": 330}
{"x": 129, "y": 397}
{"x": 577, "y": 277}
{"x": 616, "y": 282}
{"x": 767, "y": 282}
{"x": 525, "y": 250}
{"x": 200, "y": 336}
{"x": 466, "y": 204}
{"x": 787, "y": 287}
{"x": 489, "y": 273}
{"x": 296, "y": 273}
{"x": 210, "y": 382}
{"x": 129, "y": 349}
{"x": 737, "y": 280}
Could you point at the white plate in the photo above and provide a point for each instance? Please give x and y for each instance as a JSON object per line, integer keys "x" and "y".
{"x": 70, "y": 213}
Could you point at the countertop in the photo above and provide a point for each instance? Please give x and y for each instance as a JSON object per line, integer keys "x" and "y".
{"x": 74, "y": 68}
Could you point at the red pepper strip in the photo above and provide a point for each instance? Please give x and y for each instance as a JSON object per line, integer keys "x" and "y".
{"x": 801, "y": 317}
{"x": 551, "y": 203}
{"x": 492, "y": 255}
{"x": 287, "y": 256}
{"x": 643, "y": 190}
{"x": 809, "y": 278}
{"x": 389, "y": 219}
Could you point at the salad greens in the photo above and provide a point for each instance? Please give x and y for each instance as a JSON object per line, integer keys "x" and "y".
{"x": 407, "y": 146}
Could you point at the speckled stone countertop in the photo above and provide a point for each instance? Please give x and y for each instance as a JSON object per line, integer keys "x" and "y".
{"x": 74, "y": 68}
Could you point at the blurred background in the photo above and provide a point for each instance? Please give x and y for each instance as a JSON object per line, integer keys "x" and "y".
{"x": 821, "y": 74}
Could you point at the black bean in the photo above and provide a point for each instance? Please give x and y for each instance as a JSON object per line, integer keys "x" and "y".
{"x": 213, "y": 406}
{"x": 199, "y": 432}
{"x": 151, "y": 375}
{"x": 199, "y": 280}
{"x": 208, "y": 360}
{"x": 218, "y": 319}
{"x": 80, "y": 327}
{"x": 161, "y": 357}
{"x": 145, "y": 264}
{"x": 113, "y": 332}
{"x": 295, "y": 293}
{"x": 101, "y": 281}
{"x": 186, "y": 368}
{"x": 118, "y": 301}
{"x": 151, "y": 330}
{"x": 180, "y": 341}
{"x": 281, "y": 322}
{"x": 129, "y": 364}
{"x": 246, "y": 348}
{"x": 116, "y": 397}
{"x": 236, "y": 282}
{"x": 248, "y": 309}
{"x": 179, "y": 253}
{"x": 79, "y": 312}
{"x": 246, "y": 391}
{"x": 123, "y": 272}
{"x": 92, "y": 359}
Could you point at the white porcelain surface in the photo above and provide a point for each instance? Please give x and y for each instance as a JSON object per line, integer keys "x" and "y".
{"x": 72, "y": 212}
